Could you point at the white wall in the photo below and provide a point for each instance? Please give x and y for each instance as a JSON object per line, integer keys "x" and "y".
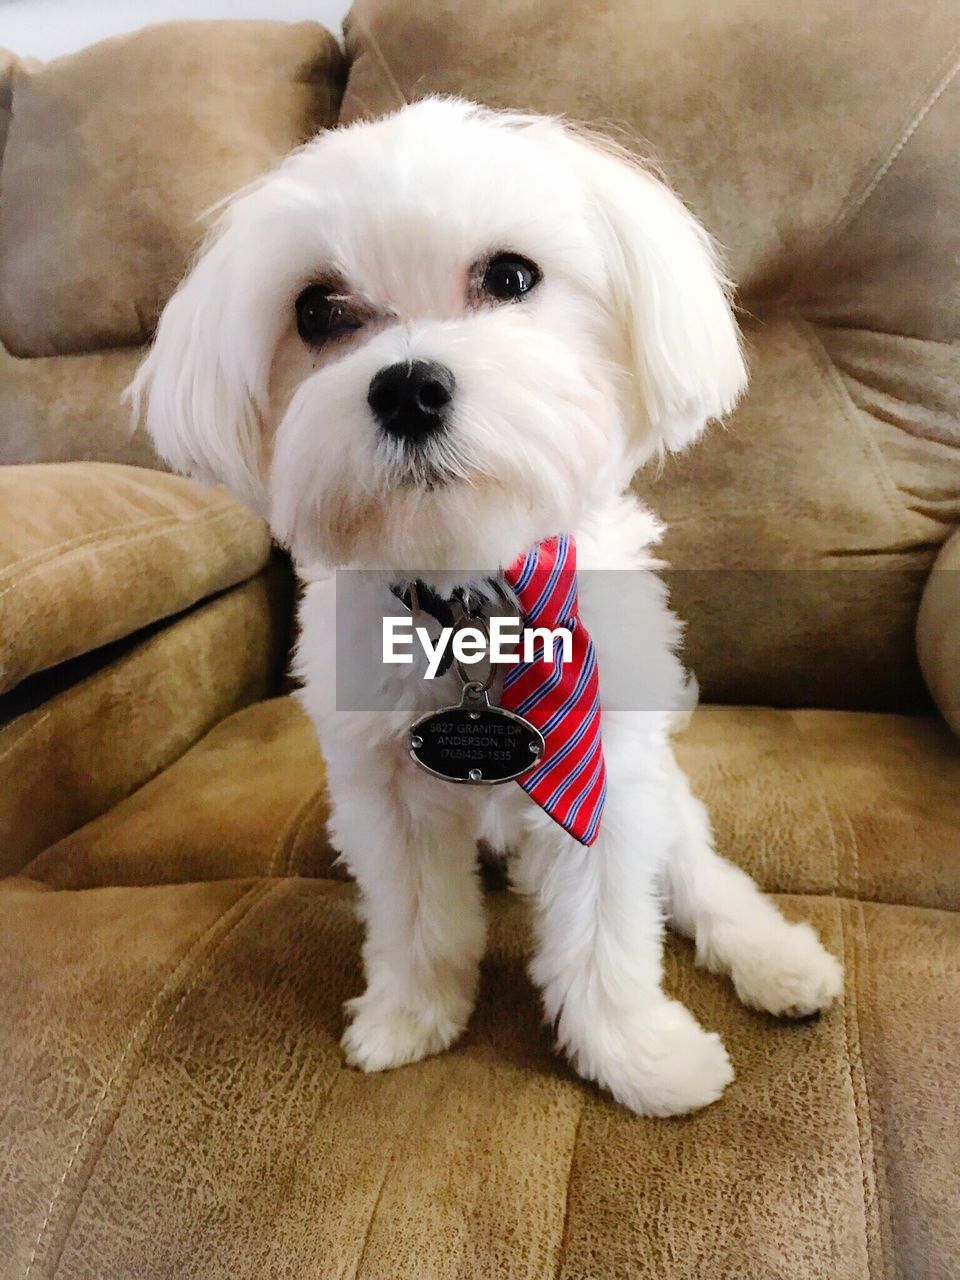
{"x": 46, "y": 28}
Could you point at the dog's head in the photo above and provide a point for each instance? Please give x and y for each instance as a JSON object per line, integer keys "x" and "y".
{"x": 432, "y": 340}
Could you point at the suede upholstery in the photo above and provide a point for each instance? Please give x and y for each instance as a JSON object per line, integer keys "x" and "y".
{"x": 249, "y": 799}
{"x": 201, "y": 115}
{"x": 78, "y": 753}
{"x": 70, "y": 408}
{"x": 817, "y": 149}
{"x": 89, "y": 554}
{"x": 202, "y": 1121}
{"x": 176, "y": 935}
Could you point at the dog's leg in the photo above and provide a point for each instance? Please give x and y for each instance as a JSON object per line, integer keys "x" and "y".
{"x": 598, "y": 959}
{"x": 420, "y": 901}
{"x": 775, "y": 965}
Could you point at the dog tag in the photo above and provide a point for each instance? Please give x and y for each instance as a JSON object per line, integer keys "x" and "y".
{"x": 474, "y": 742}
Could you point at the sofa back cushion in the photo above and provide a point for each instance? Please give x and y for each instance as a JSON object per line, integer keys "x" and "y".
{"x": 817, "y": 143}
{"x": 108, "y": 160}
{"x": 114, "y": 153}
{"x": 92, "y": 553}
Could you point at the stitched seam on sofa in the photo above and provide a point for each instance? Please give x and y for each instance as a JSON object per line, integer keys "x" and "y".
{"x": 854, "y": 842}
{"x": 289, "y": 832}
{"x": 83, "y": 538}
{"x": 844, "y": 960}
{"x": 876, "y": 1111}
{"x": 851, "y": 1031}
{"x": 823, "y": 805}
{"x": 871, "y": 450}
{"x": 319, "y": 796}
{"x": 105, "y": 538}
{"x": 565, "y": 1233}
{"x": 386, "y": 73}
{"x": 856, "y": 201}
{"x": 826, "y": 787}
{"x": 834, "y": 848}
{"x": 199, "y": 957}
{"x": 841, "y": 898}
{"x": 387, "y": 1170}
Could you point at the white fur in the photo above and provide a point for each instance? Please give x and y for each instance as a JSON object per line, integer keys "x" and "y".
{"x": 625, "y": 348}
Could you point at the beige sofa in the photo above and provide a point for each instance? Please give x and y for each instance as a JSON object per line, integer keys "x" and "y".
{"x": 176, "y": 939}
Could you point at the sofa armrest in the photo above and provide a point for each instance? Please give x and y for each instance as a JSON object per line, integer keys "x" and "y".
{"x": 93, "y": 552}
{"x": 136, "y": 611}
{"x": 938, "y": 632}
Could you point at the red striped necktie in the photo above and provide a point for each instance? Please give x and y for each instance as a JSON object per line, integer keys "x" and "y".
{"x": 561, "y": 699}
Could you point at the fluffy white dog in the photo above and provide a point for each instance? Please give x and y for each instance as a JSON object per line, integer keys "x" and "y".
{"x": 429, "y": 343}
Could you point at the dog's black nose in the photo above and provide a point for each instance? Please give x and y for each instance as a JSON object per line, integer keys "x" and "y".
{"x": 411, "y": 400}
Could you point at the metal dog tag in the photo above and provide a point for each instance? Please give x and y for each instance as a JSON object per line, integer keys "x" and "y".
{"x": 474, "y": 742}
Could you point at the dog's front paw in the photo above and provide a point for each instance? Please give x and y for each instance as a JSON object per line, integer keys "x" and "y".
{"x": 792, "y": 976}
{"x": 663, "y": 1063}
{"x": 382, "y": 1035}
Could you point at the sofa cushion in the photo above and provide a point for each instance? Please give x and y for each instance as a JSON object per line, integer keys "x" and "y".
{"x": 847, "y": 804}
{"x": 70, "y": 409}
{"x": 938, "y": 632}
{"x": 248, "y": 800}
{"x": 131, "y": 709}
{"x": 178, "y": 1106}
{"x": 113, "y": 153}
{"x": 121, "y": 964}
{"x": 90, "y": 552}
{"x": 855, "y": 804}
{"x": 819, "y": 149}
{"x": 800, "y": 534}
{"x": 785, "y": 134}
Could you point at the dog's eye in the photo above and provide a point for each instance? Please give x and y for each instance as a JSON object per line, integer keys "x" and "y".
{"x": 320, "y": 316}
{"x": 509, "y": 276}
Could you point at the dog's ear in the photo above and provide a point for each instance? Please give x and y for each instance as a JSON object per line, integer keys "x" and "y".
{"x": 199, "y": 387}
{"x": 668, "y": 298}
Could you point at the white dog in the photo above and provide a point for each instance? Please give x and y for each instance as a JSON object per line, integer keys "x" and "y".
{"x": 430, "y": 343}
